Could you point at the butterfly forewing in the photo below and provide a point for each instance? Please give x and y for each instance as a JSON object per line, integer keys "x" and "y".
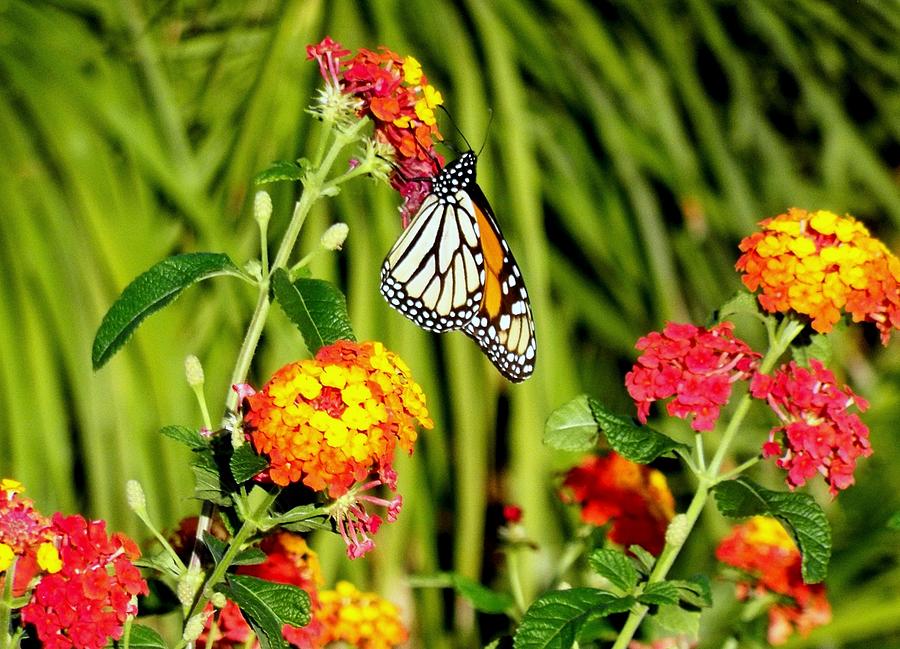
{"x": 452, "y": 269}
{"x": 433, "y": 274}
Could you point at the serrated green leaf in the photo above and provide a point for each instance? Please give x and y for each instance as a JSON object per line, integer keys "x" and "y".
{"x": 143, "y": 637}
{"x": 572, "y": 427}
{"x": 268, "y": 605}
{"x": 316, "y": 307}
{"x": 480, "y": 597}
{"x": 741, "y": 303}
{"x": 281, "y": 170}
{"x": 695, "y": 591}
{"x": 554, "y": 620}
{"x": 799, "y": 512}
{"x": 659, "y": 593}
{"x": 150, "y": 292}
{"x": 642, "y": 557}
{"x": 207, "y": 484}
{"x": 639, "y": 444}
{"x": 615, "y": 567}
{"x": 249, "y": 557}
{"x": 162, "y": 562}
{"x": 216, "y": 546}
{"x": 816, "y": 346}
{"x": 245, "y": 463}
{"x": 674, "y": 620}
{"x": 187, "y": 436}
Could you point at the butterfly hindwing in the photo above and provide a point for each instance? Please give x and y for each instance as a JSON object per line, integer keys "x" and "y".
{"x": 503, "y": 326}
{"x": 452, "y": 269}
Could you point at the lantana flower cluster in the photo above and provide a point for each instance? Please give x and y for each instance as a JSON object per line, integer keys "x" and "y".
{"x": 344, "y": 614}
{"x": 771, "y": 564}
{"x": 333, "y": 421}
{"x": 819, "y": 264}
{"x": 695, "y": 365}
{"x": 818, "y": 433}
{"x": 634, "y": 498}
{"x": 393, "y": 91}
{"x": 85, "y": 584}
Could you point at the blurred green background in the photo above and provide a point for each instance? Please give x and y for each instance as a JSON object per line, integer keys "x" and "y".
{"x": 632, "y": 145}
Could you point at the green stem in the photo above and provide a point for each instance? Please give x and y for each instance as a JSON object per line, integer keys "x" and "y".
{"x": 312, "y": 191}
{"x": 6, "y": 607}
{"x": 515, "y": 583}
{"x": 787, "y": 330}
{"x": 249, "y": 527}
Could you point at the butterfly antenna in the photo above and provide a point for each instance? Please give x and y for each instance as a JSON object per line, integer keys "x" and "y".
{"x": 486, "y": 131}
{"x": 450, "y": 117}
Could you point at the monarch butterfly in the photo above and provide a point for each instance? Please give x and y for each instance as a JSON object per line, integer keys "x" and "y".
{"x": 452, "y": 269}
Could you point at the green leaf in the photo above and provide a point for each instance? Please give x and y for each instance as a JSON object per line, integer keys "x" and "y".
{"x": 162, "y": 562}
{"x": 695, "y": 591}
{"x": 659, "y": 593}
{"x": 150, "y": 292}
{"x": 674, "y": 620}
{"x": 639, "y": 444}
{"x": 741, "y": 303}
{"x": 207, "y": 484}
{"x": 247, "y": 557}
{"x": 572, "y": 427}
{"x": 143, "y": 637}
{"x": 645, "y": 560}
{"x": 553, "y": 620}
{"x": 316, "y": 307}
{"x": 893, "y": 522}
{"x": 268, "y": 606}
{"x": 799, "y": 512}
{"x": 616, "y": 567}
{"x": 816, "y": 346}
{"x": 281, "y": 170}
{"x": 245, "y": 463}
{"x": 187, "y": 436}
{"x": 480, "y": 597}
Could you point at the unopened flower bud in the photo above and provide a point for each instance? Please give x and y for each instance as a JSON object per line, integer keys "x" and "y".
{"x": 677, "y": 532}
{"x": 194, "y": 627}
{"x": 134, "y": 494}
{"x": 188, "y": 585}
{"x": 193, "y": 371}
{"x": 334, "y": 237}
{"x": 262, "y": 207}
{"x": 218, "y": 600}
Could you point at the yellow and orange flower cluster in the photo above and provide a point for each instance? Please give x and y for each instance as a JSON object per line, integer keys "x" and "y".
{"x": 766, "y": 554}
{"x": 331, "y": 421}
{"x": 362, "y": 620}
{"x": 818, "y": 264}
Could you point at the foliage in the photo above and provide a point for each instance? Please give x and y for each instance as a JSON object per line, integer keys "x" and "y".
{"x": 628, "y": 151}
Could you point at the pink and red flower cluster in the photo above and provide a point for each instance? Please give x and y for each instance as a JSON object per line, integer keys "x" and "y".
{"x": 818, "y": 433}
{"x": 80, "y": 583}
{"x": 771, "y": 563}
{"x": 695, "y": 365}
{"x": 396, "y": 95}
{"x": 87, "y": 601}
{"x": 634, "y": 498}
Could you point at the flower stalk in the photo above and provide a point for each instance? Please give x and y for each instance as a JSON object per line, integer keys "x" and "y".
{"x": 707, "y": 479}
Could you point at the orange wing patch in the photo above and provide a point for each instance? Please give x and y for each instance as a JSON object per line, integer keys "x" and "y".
{"x": 493, "y": 262}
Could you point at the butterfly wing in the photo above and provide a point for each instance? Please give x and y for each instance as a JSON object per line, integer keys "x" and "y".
{"x": 434, "y": 274}
{"x": 503, "y": 326}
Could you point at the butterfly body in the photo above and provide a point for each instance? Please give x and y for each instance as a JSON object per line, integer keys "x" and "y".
{"x": 452, "y": 269}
